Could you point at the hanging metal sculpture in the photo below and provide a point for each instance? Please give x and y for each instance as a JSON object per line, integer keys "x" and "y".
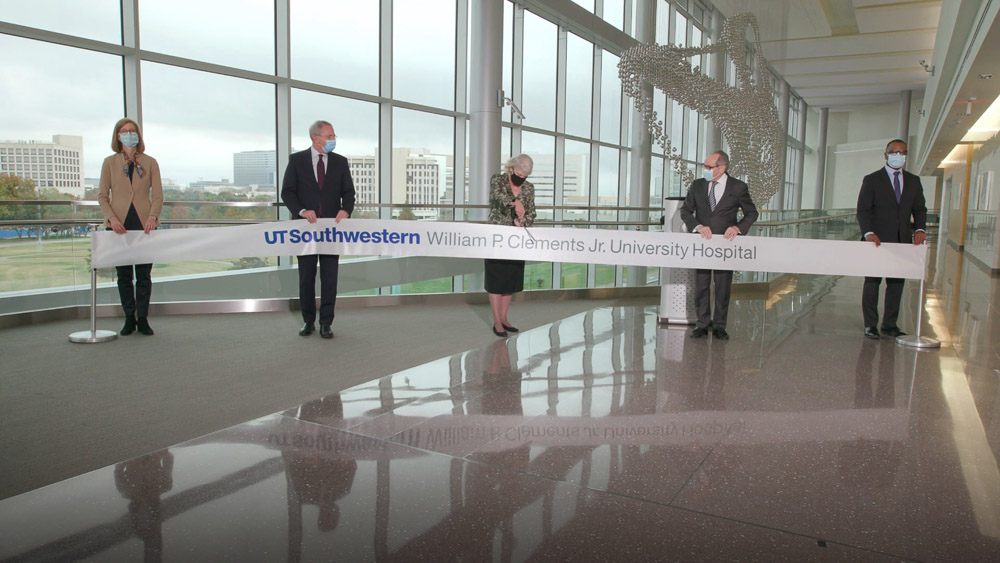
{"x": 745, "y": 113}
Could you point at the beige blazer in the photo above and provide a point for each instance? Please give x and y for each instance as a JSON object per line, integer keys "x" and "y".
{"x": 117, "y": 193}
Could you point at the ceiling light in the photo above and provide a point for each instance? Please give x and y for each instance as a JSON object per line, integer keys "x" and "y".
{"x": 987, "y": 126}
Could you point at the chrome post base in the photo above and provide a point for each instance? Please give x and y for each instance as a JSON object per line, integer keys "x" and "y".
{"x": 917, "y": 341}
{"x": 674, "y": 321}
{"x": 93, "y": 336}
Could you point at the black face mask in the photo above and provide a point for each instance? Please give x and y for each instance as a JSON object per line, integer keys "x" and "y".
{"x": 516, "y": 180}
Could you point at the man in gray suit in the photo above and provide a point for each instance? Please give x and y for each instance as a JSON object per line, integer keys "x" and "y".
{"x": 711, "y": 208}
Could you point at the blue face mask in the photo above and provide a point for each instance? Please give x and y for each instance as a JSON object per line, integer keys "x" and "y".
{"x": 330, "y": 145}
{"x": 130, "y": 139}
{"x": 896, "y": 160}
{"x": 709, "y": 174}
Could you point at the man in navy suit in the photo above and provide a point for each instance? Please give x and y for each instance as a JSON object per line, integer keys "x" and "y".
{"x": 711, "y": 208}
{"x": 318, "y": 184}
{"x": 888, "y": 198}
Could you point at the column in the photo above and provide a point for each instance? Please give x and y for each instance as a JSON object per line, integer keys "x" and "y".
{"x": 824, "y": 118}
{"x": 486, "y": 32}
{"x": 800, "y": 165}
{"x": 717, "y": 72}
{"x": 640, "y": 184}
{"x": 783, "y": 93}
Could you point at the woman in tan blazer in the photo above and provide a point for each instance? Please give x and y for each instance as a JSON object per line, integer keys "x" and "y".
{"x": 131, "y": 199}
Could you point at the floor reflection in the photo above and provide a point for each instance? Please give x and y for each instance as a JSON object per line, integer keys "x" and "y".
{"x": 597, "y": 435}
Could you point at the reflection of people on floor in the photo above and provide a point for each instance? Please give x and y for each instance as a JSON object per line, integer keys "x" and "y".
{"x": 697, "y": 382}
{"x": 882, "y": 394}
{"x": 328, "y": 410}
{"x": 487, "y": 491}
{"x": 143, "y": 480}
{"x": 866, "y": 463}
{"x": 505, "y": 399}
{"x": 316, "y": 476}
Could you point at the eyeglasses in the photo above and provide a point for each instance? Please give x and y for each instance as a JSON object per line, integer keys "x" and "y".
{"x": 707, "y": 167}
{"x": 897, "y": 152}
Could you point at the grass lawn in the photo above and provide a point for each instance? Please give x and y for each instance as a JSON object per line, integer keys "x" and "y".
{"x": 27, "y": 265}
{"x": 64, "y": 262}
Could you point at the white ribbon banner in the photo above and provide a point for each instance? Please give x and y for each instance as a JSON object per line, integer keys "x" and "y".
{"x": 468, "y": 240}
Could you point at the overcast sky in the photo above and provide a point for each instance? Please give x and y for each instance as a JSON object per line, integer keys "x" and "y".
{"x": 194, "y": 121}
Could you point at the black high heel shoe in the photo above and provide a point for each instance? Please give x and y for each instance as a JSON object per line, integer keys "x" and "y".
{"x": 510, "y": 328}
{"x": 500, "y": 334}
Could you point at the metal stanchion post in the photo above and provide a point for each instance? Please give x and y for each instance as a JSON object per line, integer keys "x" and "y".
{"x": 915, "y": 340}
{"x": 93, "y": 335}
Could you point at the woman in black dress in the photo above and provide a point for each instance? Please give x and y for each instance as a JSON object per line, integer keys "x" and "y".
{"x": 512, "y": 203}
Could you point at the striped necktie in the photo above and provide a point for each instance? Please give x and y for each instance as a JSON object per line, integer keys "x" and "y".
{"x": 711, "y": 196}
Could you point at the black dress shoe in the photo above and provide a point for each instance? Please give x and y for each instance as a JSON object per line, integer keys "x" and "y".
{"x": 307, "y": 329}
{"x": 143, "y": 324}
{"x": 699, "y": 332}
{"x": 871, "y": 332}
{"x": 325, "y": 331}
{"x": 129, "y": 326}
{"x": 720, "y": 333}
{"x": 509, "y": 328}
{"x": 500, "y": 334}
{"x": 893, "y": 332}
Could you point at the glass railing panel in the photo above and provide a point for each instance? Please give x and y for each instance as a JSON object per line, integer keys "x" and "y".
{"x": 816, "y": 224}
{"x": 439, "y": 285}
{"x": 573, "y": 275}
{"x": 537, "y": 275}
{"x": 981, "y": 237}
{"x": 52, "y": 257}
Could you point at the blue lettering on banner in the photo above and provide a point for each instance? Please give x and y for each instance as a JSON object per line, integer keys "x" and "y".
{"x": 274, "y": 237}
{"x": 296, "y": 236}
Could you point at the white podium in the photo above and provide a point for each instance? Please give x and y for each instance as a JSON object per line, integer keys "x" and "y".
{"x": 676, "y": 284}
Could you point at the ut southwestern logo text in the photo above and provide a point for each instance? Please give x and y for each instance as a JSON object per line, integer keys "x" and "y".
{"x": 296, "y": 236}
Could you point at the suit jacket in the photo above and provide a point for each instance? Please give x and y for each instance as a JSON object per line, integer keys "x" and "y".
{"x": 879, "y": 213}
{"x": 696, "y": 210}
{"x": 300, "y": 191}
{"x": 117, "y": 193}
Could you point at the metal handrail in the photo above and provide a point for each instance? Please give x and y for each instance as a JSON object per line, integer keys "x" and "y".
{"x": 95, "y": 221}
{"x": 95, "y": 203}
{"x": 802, "y": 221}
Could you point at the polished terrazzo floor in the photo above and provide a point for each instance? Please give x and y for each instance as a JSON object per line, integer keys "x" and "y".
{"x": 601, "y": 437}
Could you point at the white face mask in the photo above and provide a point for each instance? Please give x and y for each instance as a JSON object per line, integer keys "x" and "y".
{"x": 896, "y": 160}
{"x": 129, "y": 139}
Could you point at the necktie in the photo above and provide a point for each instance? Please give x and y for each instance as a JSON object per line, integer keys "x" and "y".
{"x": 320, "y": 172}
{"x": 711, "y": 196}
{"x": 895, "y": 185}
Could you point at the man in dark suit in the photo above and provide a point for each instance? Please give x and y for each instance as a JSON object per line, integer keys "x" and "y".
{"x": 318, "y": 184}
{"x": 711, "y": 208}
{"x": 888, "y": 198}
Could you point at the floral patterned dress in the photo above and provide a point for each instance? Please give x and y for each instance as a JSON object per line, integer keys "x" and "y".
{"x": 505, "y": 277}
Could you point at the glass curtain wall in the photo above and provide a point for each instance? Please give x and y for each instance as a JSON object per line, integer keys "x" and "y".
{"x": 226, "y": 90}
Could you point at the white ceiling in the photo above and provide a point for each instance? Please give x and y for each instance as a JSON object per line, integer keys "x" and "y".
{"x": 845, "y": 54}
